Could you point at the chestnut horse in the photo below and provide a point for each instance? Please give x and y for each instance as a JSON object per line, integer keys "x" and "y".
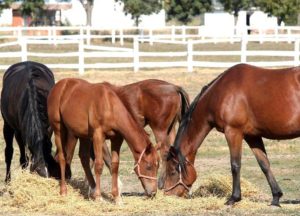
{"x": 156, "y": 103}
{"x": 94, "y": 112}
{"x": 26, "y": 86}
{"x": 244, "y": 102}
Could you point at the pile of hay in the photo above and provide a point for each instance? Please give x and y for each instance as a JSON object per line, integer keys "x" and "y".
{"x": 221, "y": 186}
{"x": 29, "y": 194}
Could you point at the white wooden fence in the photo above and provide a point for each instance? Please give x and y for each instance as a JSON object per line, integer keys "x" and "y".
{"x": 86, "y": 50}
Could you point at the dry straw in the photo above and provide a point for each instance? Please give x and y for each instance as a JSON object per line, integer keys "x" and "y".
{"x": 29, "y": 194}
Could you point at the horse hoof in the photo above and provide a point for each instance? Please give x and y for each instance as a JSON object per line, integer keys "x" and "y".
{"x": 275, "y": 205}
{"x": 118, "y": 201}
{"x": 232, "y": 201}
{"x": 63, "y": 193}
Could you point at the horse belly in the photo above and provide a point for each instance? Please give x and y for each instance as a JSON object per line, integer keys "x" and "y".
{"x": 76, "y": 125}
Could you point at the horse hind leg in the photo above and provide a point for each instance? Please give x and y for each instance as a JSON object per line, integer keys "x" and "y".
{"x": 8, "y": 133}
{"x": 84, "y": 155}
{"x": 258, "y": 148}
{"x": 234, "y": 139}
{"x": 23, "y": 156}
{"x": 98, "y": 141}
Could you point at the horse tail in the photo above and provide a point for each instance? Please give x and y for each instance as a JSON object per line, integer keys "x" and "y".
{"x": 185, "y": 104}
{"x": 34, "y": 117}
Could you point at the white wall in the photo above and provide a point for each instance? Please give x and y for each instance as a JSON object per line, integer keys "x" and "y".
{"x": 6, "y": 17}
{"x": 109, "y": 14}
{"x": 219, "y": 24}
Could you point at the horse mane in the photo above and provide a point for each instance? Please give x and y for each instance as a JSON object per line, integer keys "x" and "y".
{"x": 187, "y": 118}
{"x": 33, "y": 116}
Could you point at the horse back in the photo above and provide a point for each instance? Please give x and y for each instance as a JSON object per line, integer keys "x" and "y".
{"x": 151, "y": 101}
{"x": 260, "y": 101}
{"x": 20, "y": 82}
{"x": 94, "y": 105}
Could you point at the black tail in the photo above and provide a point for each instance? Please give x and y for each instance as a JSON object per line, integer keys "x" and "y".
{"x": 185, "y": 104}
{"x": 34, "y": 115}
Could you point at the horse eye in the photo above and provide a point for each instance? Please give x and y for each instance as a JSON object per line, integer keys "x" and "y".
{"x": 148, "y": 167}
{"x": 173, "y": 172}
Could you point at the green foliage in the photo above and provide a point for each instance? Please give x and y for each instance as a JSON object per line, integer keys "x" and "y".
{"x": 5, "y": 4}
{"x": 32, "y": 7}
{"x": 236, "y": 5}
{"x": 284, "y": 10}
{"x": 139, "y": 7}
{"x": 184, "y": 10}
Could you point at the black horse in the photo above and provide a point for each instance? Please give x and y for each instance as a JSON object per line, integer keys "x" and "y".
{"x": 26, "y": 86}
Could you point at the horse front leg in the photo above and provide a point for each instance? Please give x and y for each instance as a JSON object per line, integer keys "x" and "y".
{"x": 234, "y": 139}
{"x": 163, "y": 145}
{"x": 116, "y": 143}
{"x": 258, "y": 148}
{"x": 98, "y": 141}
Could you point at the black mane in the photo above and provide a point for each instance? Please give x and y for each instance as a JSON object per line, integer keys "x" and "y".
{"x": 187, "y": 118}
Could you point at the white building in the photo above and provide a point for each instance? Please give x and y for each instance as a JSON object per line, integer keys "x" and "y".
{"x": 109, "y": 14}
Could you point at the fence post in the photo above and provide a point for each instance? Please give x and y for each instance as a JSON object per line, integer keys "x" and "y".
{"x": 19, "y": 32}
{"x": 190, "y": 56}
{"x": 121, "y": 37}
{"x": 173, "y": 33}
{"x": 289, "y": 33}
{"x": 81, "y": 56}
{"x": 88, "y": 35}
{"x": 243, "y": 49}
{"x": 183, "y": 33}
{"x": 135, "y": 54}
{"x": 113, "y": 36}
{"x": 297, "y": 52}
{"x": 23, "y": 49}
{"x": 54, "y": 36}
{"x": 151, "y": 36}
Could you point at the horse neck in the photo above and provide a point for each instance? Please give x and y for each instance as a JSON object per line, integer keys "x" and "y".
{"x": 135, "y": 136}
{"x": 194, "y": 133}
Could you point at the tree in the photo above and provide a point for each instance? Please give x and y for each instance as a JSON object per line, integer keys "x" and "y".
{"x": 184, "y": 10}
{"x": 137, "y": 8}
{"x": 236, "y": 5}
{"x": 4, "y": 4}
{"x": 284, "y": 10}
{"x": 88, "y": 7}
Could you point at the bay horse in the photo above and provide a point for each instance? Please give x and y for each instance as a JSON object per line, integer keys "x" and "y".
{"x": 245, "y": 103}
{"x": 26, "y": 86}
{"x": 92, "y": 113}
{"x": 156, "y": 103}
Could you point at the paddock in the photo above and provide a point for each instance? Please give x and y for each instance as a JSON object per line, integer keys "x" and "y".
{"x": 31, "y": 195}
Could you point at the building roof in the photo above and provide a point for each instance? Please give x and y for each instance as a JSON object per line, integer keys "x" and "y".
{"x": 48, "y": 6}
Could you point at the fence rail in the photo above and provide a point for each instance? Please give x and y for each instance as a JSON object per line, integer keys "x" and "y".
{"x": 85, "y": 50}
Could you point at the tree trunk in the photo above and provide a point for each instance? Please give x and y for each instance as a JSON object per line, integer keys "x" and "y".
{"x": 88, "y": 9}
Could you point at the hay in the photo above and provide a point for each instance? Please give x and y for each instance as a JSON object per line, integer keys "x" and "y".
{"x": 29, "y": 194}
{"x": 221, "y": 186}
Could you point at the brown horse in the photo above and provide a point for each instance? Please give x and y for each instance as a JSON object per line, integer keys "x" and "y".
{"x": 78, "y": 109}
{"x": 156, "y": 103}
{"x": 244, "y": 102}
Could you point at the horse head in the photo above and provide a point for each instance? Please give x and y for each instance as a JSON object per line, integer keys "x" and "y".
{"x": 180, "y": 174}
{"x": 146, "y": 169}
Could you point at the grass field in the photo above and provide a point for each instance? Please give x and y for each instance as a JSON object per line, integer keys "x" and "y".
{"x": 31, "y": 195}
